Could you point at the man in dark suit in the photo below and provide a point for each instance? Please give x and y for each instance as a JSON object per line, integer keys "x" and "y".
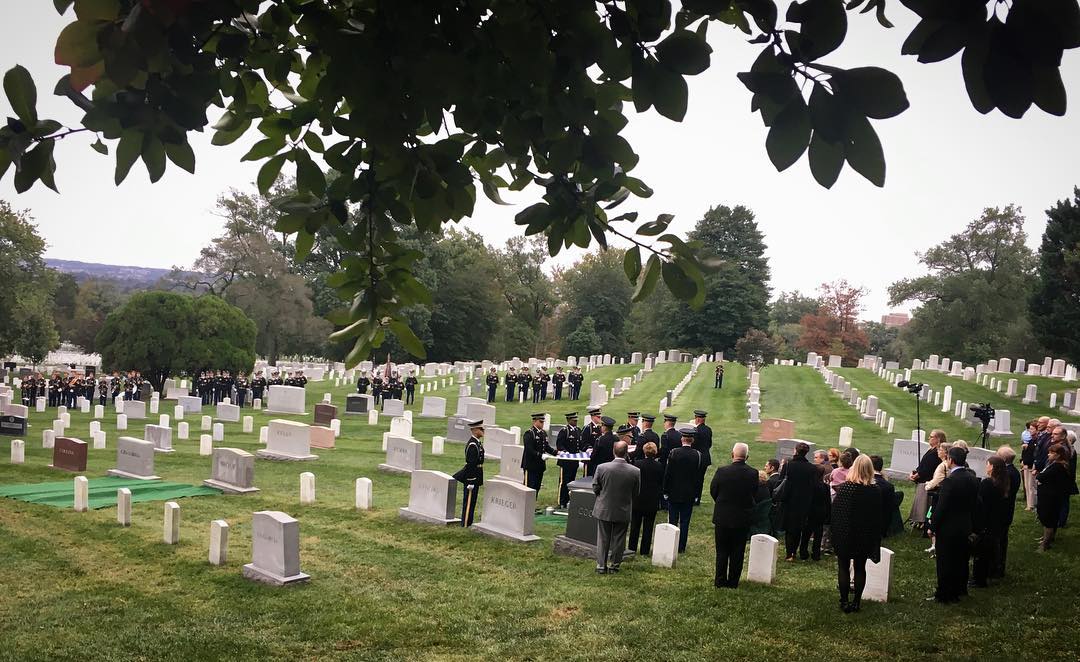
{"x": 798, "y": 493}
{"x": 953, "y": 514}
{"x": 615, "y": 485}
{"x": 888, "y": 495}
{"x": 535, "y": 444}
{"x": 680, "y": 483}
{"x": 733, "y": 488}
{"x": 703, "y": 444}
{"x": 603, "y": 450}
{"x": 1008, "y": 455}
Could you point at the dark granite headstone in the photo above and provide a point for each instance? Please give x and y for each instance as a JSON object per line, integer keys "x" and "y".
{"x": 324, "y": 414}
{"x": 69, "y": 454}
{"x": 456, "y": 430}
{"x": 145, "y": 391}
{"x": 357, "y": 403}
{"x": 14, "y": 426}
{"x": 580, "y": 536}
{"x": 785, "y": 449}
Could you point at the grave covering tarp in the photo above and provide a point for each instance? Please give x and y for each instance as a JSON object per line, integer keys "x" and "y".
{"x": 102, "y": 491}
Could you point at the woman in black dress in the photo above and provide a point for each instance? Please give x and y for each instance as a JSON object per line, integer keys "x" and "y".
{"x": 991, "y": 518}
{"x": 1054, "y": 484}
{"x": 647, "y": 500}
{"x": 856, "y": 529}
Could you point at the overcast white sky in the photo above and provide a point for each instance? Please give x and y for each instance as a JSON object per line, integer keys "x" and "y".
{"x": 946, "y": 162}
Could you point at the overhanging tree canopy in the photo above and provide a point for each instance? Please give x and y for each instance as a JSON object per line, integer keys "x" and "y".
{"x": 412, "y": 104}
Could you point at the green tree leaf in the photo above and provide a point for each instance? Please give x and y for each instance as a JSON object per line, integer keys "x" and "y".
{"x": 181, "y": 155}
{"x": 669, "y": 93}
{"x": 789, "y": 134}
{"x": 863, "y": 151}
{"x": 22, "y": 94}
{"x": 632, "y": 263}
{"x": 680, "y": 284}
{"x": 127, "y": 152}
{"x": 97, "y": 10}
{"x": 826, "y": 160}
{"x": 646, "y": 281}
{"x": 824, "y": 26}
{"x": 684, "y": 52}
{"x": 153, "y": 155}
{"x": 269, "y": 172}
{"x": 408, "y": 339}
{"x": 77, "y": 45}
{"x": 877, "y": 93}
{"x": 304, "y": 242}
{"x": 653, "y": 228}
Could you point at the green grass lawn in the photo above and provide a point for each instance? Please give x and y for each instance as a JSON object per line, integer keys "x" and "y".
{"x": 76, "y": 585}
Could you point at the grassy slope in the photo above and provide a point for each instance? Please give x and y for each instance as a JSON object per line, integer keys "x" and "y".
{"x": 78, "y": 585}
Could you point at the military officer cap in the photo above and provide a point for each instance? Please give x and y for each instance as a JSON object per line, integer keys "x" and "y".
{"x": 633, "y": 414}
{"x": 539, "y": 417}
{"x": 671, "y": 417}
{"x": 608, "y": 421}
{"x": 475, "y": 424}
{"x": 648, "y": 417}
{"x": 594, "y": 411}
{"x": 700, "y": 413}
{"x": 688, "y": 431}
{"x": 625, "y": 430}
{"x": 571, "y": 416}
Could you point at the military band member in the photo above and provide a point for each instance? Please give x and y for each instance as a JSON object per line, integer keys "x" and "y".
{"x": 535, "y": 444}
{"x": 492, "y": 382}
{"x": 645, "y": 436}
{"x": 410, "y": 388}
{"x": 575, "y": 379}
{"x": 363, "y": 383}
{"x": 299, "y": 379}
{"x": 129, "y": 387}
{"x": 524, "y": 380}
{"x": 394, "y": 387}
{"x": 604, "y": 450}
{"x": 117, "y": 386}
{"x": 540, "y": 388}
{"x": 472, "y": 474}
{"x": 557, "y": 381}
{"x": 258, "y": 385}
{"x": 241, "y": 384}
{"x": 26, "y": 389}
{"x": 510, "y": 381}
{"x": 719, "y": 383}
{"x": 103, "y": 391}
{"x": 275, "y": 379}
{"x": 703, "y": 444}
{"x": 568, "y": 441}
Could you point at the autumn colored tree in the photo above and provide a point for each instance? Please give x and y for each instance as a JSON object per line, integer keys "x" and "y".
{"x": 834, "y": 329}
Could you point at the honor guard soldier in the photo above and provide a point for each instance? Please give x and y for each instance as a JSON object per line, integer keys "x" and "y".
{"x": 719, "y": 376}
{"x": 575, "y": 379}
{"x": 557, "y": 381}
{"x": 492, "y": 382}
{"x": 523, "y": 381}
{"x": 510, "y": 381}
{"x": 632, "y": 421}
{"x": 703, "y": 444}
{"x": 591, "y": 432}
{"x": 472, "y": 474}
{"x": 300, "y": 380}
{"x": 363, "y": 383}
{"x": 376, "y": 386}
{"x": 645, "y": 436}
{"x": 241, "y": 390}
{"x": 681, "y": 477}
{"x": 568, "y": 441}
{"x": 604, "y": 449}
{"x": 410, "y": 388}
{"x": 535, "y": 444}
{"x": 103, "y": 391}
{"x": 671, "y": 439}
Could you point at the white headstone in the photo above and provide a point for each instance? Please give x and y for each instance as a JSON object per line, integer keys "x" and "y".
{"x": 1031, "y": 395}
{"x": 508, "y": 511}
{"x": 845, "y": 437}
{"x": 99, "y": 411}
{"x": 285, "y": 400}
{"x": 48, "y": 438}
{"x": 206, "y": 445}
{"x": 363, "y": 494}
{"x": 233, "y": 471}
{"x": 219, "y": 542}
{"x": 307, "y": 488}
{"x": 172, "y": 523}
{"x": 373, "y": 417}
{"x": 762, "y": 565}
{"x": 228, "y": 412}
{"x": 665, "y": 545}
{"x": 134, "y": 459}
{"x": 432, "y": 498}
{"x": 438, "y": 445}
{"x": 219, "y": 432}
{"x": 287, "y": 440}
{"x": 403, "y": 455}
{"x": 123, "y": 506}
{"x": 879, "y": 577}
{"x": 82, "y": 494}
{"x": 18, "y": 451}
{"x": 275, "y": 542}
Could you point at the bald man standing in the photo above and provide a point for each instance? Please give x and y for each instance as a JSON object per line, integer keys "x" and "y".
{"x": 733, "y": 489}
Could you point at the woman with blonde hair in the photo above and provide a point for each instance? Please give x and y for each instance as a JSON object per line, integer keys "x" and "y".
{"x": 856, "y": 529}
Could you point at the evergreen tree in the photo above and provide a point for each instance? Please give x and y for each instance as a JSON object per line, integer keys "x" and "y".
{"x": 1056, "y": 300}
{"x": 737, "y": 293}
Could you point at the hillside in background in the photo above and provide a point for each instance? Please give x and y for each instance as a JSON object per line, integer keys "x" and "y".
{"x": 125, "y": 277}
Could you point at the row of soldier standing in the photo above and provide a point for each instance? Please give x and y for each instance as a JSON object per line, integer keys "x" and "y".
{"x": 518, "y": 384}
{"x": 388, "y": 388}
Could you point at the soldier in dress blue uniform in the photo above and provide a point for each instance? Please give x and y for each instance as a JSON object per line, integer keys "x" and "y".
{"x": 632, "y": 421}
{"x": 492, "y": 382}
{"x": 645, "y": 436}
{"x": 542, "y": 379}
{"x": 557, "y": 381}
{"x": 575, "y": 379}
{"x": 591, "y": 432}
{"x": 568, "y": 441}
{"x": 523, "y": 381}
{"x": 535, "y": 444}
{"x": 410, "y": 388}
{"x": 472, "y": 474}
{"x": 363, "y": 383}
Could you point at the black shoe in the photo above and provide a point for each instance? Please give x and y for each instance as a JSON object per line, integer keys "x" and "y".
{"x": 613, "y": 569}
{"x": 601, "y": 571}
{"x": 853, "y": 608}
{"x": 844, "y": 606}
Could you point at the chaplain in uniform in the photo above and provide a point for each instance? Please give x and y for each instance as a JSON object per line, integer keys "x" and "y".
{"x": 472, "y": 474}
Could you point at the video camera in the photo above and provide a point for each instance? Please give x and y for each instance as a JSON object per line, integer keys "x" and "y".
{"x": 983, "y": 411}
{"x": 911, "y": 387}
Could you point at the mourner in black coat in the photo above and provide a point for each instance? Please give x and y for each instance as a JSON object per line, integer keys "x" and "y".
{"x": 855, "y": 529}
{"x": 733, "y": 490}
{"x": 954, "y": 511}
{"x": 647, "y": 501}
{"x": 797, "y": 492}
